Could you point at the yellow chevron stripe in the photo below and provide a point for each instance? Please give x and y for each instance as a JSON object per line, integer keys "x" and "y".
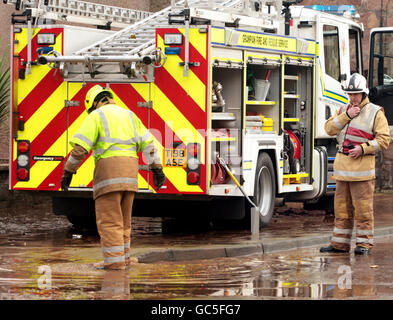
{"x": 37, "y": 74}
{"x": 194, "y": 87}
{"x": 197, "y": 39}
{"x": 52, "y": 106}
{"x": 41, "y": 169}
{"x": 168, "y": 112}
{"x": 84, "y": 174}
{"x": 22, "y": 39}
{"x": 142, "y": 183}
{"x": 45, "y": 114}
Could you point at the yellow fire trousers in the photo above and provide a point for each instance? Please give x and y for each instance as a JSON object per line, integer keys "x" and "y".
{"x": 113, "y": 215}
{"x": 353, "y": 201}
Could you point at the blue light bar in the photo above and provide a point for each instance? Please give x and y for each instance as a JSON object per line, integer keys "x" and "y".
{"x": 334, "y": 9}
{"x": 172, "y": 50}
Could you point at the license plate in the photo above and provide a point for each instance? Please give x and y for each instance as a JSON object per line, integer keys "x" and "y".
{"x": 175, "y": 158}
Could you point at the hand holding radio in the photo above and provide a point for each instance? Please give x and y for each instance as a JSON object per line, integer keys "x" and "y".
{"x": 353, "y": 112}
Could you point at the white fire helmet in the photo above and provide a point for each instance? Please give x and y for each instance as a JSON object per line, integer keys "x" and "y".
{"x": 356, "y": 84}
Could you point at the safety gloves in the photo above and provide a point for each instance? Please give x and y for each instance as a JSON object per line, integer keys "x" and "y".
{"x": 158, "y": 177}
{"x": 66, "y": 180}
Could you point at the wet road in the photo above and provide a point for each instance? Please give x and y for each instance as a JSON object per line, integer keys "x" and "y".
{"x": 42, "y": 257}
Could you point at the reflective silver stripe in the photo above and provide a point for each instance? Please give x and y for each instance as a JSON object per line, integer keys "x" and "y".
{"x": 137, "y": 137}
{"x": 114, "y": 259}
{"x": 338, "y": 124}
{"x": 113, "y": 249}
{"x": 364, "y": 232}
{"x": 102, "y": 151}
{"x": 72, "y": 160}
{"x": 104, "y": 123}
{"x": 373, "y": 112}
{"x": 341, "y": 240}
{"x": 127, "y": 245}
{"x": 355, "y": 138}
{"x": 354, "y": 173}
{"x": 84, "y": 139}
{"x": 342, "y": 231}
{"x": 364, "y": 240}
{"x": 361, "y": 127}
{"x": 108, "y": 182}
{"x": 375, "y": 144}
{"x": 145, "y": 137}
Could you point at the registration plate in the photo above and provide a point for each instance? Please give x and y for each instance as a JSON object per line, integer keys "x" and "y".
{"x": 175, "y": 158}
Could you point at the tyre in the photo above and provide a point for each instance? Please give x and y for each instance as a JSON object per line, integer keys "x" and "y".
{"x": 265, "y": 189}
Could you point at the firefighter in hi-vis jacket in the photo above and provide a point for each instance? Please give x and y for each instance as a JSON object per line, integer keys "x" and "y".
{"x": 115, "y": 135}
{"x": 362, "y": 130}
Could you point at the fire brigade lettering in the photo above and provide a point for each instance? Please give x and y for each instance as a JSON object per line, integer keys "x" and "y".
{"x": 264, "y": 41}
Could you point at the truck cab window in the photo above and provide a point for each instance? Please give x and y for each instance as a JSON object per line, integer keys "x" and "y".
{"x": 331, "y": 51}
{"x": 382, "y": 59}
{"x": 354, "y": 55}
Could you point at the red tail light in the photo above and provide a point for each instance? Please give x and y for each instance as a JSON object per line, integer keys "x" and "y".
{"x": 23, "y": 147}
{"x": 23, "y": 174}
{"x": 192, "y": 177}
{"x": 23, "y": 160}
{"x": 193, "y": 163}
{"x": 193, "y": 150}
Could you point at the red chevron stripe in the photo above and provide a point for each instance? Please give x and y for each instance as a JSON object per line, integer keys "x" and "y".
{"x": 46, "y": 86}
{"x": 131, "y": 97}
{"x": 56, "y": 174}
{"x": 54, "y": 177}
{"x": 39, "y": 94}
{"x": 35, "y": 46}
{"x": 57, "y": 126}
{"x": 194, "y": 56}
{"x": 179, "y": 97}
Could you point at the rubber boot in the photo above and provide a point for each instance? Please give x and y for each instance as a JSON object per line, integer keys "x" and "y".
{"x": 361, "y": 250}
{"x": 332, "y": 249}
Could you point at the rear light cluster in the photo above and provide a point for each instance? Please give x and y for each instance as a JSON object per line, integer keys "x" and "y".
{"x": 193, "y": 163}
{"x": 23, "y": 160}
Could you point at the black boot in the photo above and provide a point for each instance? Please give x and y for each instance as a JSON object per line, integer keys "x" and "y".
{"x": 361, "y": 250}
{"x": 332, "y": 249}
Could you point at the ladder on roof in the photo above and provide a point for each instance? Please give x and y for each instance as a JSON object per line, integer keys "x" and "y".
{"x": 126, "y": 53}
{"x": 80, "y": 12}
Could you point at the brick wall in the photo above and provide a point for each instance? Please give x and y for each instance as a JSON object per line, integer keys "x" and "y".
{"x": 156, "y": 5}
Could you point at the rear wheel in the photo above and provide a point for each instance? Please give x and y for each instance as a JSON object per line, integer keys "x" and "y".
{"x": 265, "y": 189}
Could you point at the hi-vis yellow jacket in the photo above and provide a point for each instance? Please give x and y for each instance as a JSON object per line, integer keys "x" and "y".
{"x": 372, "y": 120}
{"x": 115, "y": 135}
{"x": 112, "y": 131}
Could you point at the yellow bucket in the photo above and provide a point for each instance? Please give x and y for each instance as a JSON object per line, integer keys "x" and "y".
{"x": 267, "y": 124}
